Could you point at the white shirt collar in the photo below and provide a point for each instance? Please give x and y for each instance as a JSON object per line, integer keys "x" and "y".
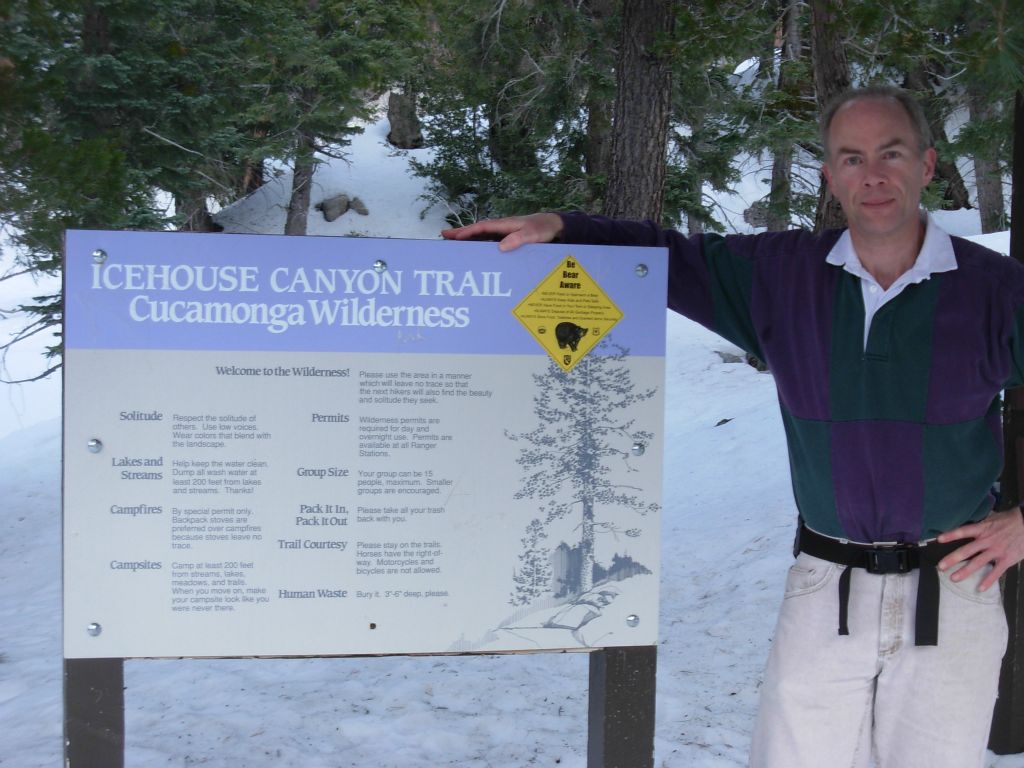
{"x": 936, "y": 256}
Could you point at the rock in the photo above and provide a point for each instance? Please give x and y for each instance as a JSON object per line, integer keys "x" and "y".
{"x": 333, "y": 207}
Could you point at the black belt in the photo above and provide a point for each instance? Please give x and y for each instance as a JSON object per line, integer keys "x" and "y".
{"x": 885, "y": 558}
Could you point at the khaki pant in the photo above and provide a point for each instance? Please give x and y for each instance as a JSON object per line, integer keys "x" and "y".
{"x": 839, "y": 701}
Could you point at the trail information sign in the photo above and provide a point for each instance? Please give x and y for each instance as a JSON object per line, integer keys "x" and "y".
{"x": 336, "y": 446}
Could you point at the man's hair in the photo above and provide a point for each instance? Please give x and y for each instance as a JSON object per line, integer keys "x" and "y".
{"x": 910, "y": 105}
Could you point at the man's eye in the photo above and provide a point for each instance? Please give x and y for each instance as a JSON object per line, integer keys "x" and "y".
{"x": 851, "y": 160}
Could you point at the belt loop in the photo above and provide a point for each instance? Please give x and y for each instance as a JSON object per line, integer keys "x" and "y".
{"x": 844, "y": 599}
{"x": 926, "y": 621}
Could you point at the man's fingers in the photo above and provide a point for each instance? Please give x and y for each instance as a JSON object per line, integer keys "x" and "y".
{"x": 486, "y": 227}
{"x": 515, "y": 239}
{"x": 969, "y": 531}
{"x": 998, "y": 540}
{"x": 975, "y": 564}
{"x": 958, "y": 555}
{"x": 513, "y": 231}
{"x": 998, "y": 569}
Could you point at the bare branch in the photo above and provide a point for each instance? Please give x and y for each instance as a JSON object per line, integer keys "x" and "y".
{"x": 9, "y": 275}
{"x": 155, "y": 135}
{"x": 526, "y": 101}
{"x": 175, "y": 144}
{"x": 39, "y": 377}
{"x": 27, "y": 332}
{"x": 494, "y": 16}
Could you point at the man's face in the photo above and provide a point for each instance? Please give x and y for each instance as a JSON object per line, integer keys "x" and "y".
{"x": 876, "y": 170}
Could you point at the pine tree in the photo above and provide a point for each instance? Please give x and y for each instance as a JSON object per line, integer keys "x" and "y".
{"x": 715, "y": 118}
{"x": 63, "y": 159}
{"x": 533, "y": 577}
{"x": 993, "y": 49}
{"x": 583, "y": 430}
{"x": 519, "y": 95}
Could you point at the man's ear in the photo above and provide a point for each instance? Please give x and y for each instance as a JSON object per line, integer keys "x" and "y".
{"x": 930, "y": 158}
{"x": 827, "y": 174}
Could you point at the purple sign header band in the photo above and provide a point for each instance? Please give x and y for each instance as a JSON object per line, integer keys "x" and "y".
{"x": 191, "y": 291}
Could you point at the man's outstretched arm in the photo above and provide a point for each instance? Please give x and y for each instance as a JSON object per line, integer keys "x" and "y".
{"x": 513, "y": 231}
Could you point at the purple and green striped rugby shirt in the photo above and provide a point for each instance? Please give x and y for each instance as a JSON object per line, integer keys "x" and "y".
{"x": 898, "y": 439}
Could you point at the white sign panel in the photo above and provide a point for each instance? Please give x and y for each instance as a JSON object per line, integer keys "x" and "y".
{"x": 320, "y": 446}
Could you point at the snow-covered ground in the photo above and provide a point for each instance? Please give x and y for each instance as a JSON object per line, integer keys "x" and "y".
{"x": 727, "y": 530}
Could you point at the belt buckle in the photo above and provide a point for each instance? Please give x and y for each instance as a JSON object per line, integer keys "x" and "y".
{"x": 889, "y": 560}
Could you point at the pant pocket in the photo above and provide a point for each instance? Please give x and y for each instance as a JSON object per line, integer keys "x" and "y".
{"x": 968, "y": 588}
{"x": 807, "y": 575}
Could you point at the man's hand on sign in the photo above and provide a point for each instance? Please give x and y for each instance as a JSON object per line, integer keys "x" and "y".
{"x": 513, "y": 231}
{"x": 998, "y": 539}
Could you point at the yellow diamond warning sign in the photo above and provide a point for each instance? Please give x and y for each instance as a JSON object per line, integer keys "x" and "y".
{"x": 568, "y": 313}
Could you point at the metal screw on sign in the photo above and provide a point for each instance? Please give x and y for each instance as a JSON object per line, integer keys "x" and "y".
{"x": 641, "y": 270}
{"x": 632, "y": 620}
{"x": 94, "y": 445}
{"x": 94, "y": 629}
{"x": 638, "y": 449}
{"x": 99, "y": 256}
{"x": 380, "y": 266}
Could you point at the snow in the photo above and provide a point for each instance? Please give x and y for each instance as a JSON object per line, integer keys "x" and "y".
{"x": 386, "y": 186}
{"x": 727, "y": 531}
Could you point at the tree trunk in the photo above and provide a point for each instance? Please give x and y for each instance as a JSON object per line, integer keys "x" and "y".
{"x": 988, "y": 179}
{"x": 831, "y": 77}
{"x": 252, "y": 177}
{"x": 694, "y": 226}
{"x": 587, "y": 547}
{"x": 955, "y": 195}
{"x": 781, "y": 193}
{"x": 1007, "y": 734}
{"x": 1017, "y": 185}
{"x": 636, "y": 179}
{"x": 983, "y": 106}
{"x": 191, "y": 209}
{"x": 253, "y": 171}
{"x": 302, "y": 183}
{"x": 405, "y": 132}
{"x": 95, "y": 42}
{"x": 599, "y": 103}
{"x": 598, "y": 151}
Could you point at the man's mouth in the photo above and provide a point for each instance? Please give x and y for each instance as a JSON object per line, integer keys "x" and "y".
{"x": 880, "y": 203}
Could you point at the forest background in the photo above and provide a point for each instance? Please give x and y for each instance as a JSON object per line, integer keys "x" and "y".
{"x": 130, "y": 114}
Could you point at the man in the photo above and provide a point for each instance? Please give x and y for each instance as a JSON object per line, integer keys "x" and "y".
{"x": 890, "y": 342}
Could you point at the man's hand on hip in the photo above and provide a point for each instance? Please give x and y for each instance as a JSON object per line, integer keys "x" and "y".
{"x": 998, "y": 539}
{"x": 513, "y": 231}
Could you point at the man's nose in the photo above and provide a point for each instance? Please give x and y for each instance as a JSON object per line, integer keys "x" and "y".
{"x": 874, "y": 173}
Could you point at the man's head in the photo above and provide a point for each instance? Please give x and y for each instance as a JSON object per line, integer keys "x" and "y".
{"x": 878, "y": 159}
{"x": 904, "y": 98}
